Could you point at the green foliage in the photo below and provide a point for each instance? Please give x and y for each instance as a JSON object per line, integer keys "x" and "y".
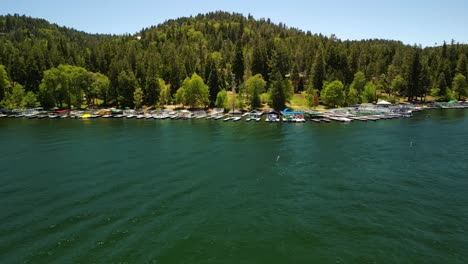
{"x": 30, "y": 100}
{"x": 222, "y": 99}
{"x": 462, "y": 65}
{"x": 280, "y": 60}
{"x": 265, "y": 98}
{"x": 255, "y": 86}
{"x": 397, "y": 85}
{"x": 4, "y": 82}
{"x": 240, "y": 101}
{"x": 460, "y": 86}
{"x": 138, "y": 97}
{"x": 179, "y": 96}
{"x": 100, "y": 86}
{"x": 50, "y": 89}
{"x": 359, "y": 82}
{"x": 318, "y": 71}
{"x": 126, "y": 85}
{"x": 196, "y": 93}
{"x": 442, "y": 85}
{"x": 260, "y": 58}
{"x": 281, "y": 91}
{"x": 333, "y": 94}
{"x": 313, "y": 99}
{"x": 65, "y": 84}
{"x": 352, "y": 97}
{"x": 435, "y": 92}
{"x": 412, "y": 73}
{"x": 165, "y": 94}
{"x": 222, "y": 47}
{"x": 214, "y": 81}
{"x": 369, "y": 95}
{"x": 17, "y": 96}
{"x": 238, "y": 65}
{"x": 152, "y": 90}
{"x": 449, "y": 95}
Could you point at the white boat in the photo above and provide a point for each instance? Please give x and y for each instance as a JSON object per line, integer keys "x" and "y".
{"x": 340, "y": 119}
{"x": 272, "y": 118}
{"x": 299, "y": 120}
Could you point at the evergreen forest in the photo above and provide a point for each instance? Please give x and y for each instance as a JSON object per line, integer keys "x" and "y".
{"x": 197, "y": 61}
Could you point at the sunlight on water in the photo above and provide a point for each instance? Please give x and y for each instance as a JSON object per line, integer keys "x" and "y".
{"x": 201, "y": 191}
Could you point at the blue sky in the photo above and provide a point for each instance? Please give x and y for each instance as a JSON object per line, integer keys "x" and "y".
{"x": 413, "y": 22}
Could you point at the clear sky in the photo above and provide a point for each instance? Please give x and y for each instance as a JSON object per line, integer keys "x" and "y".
{"x": 411, "y": 21}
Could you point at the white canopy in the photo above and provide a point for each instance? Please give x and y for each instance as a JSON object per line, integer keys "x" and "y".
{"x": 384, "y": 103}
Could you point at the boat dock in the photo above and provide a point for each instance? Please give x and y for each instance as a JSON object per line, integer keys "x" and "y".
{"x": 361, "y": 113}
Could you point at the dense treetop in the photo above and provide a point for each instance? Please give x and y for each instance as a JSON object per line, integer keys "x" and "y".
{"x": 225, "y": 50}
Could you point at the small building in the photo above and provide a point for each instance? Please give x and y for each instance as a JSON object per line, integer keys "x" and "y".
{"x": 293, "y": 116}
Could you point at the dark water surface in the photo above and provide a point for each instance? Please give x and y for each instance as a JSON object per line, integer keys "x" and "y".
{"x": 205, "y": 191}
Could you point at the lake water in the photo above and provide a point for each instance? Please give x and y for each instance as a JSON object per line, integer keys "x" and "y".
{"x": 205, "y": 191}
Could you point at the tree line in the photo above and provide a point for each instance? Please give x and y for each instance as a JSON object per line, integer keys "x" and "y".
{"x": 195, "y": 60}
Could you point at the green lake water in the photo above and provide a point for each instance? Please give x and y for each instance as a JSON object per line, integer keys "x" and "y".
{"x": 205, "y": 191}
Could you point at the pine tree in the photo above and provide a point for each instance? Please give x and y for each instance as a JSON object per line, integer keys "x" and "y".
{"x": 414, "y": 76}
{"x": 462, "y": 65}
{"x": 318, "y": 70}
{"x": 238, "y": 67}
{"x": 213, "y": 83}
{"x": 281, "y": 91}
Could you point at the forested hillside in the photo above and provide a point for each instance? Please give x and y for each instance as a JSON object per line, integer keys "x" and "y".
{"x": 62, "y": 66}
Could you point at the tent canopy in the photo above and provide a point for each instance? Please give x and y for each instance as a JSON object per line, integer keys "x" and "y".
{"x": 383, "y": 102}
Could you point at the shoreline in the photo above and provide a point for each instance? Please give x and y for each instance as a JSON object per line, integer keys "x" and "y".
{"x": 363, "y": 113}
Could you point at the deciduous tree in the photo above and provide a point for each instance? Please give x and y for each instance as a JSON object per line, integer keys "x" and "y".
{"x": 4, "y": 82}
{"x": 352, "y": 97}
{"x": 370, "y": 93}
{"x": 165, "y": 94}
{"x": 359, "y": 82}
{"x": 255, "y": 86}
{"x": 196, "y": 91}
{"x": 460, "y": 86}
{"x": 179, "y": 96}
{"x": 333, "y": 94}
{"x": 222, "y": 99}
